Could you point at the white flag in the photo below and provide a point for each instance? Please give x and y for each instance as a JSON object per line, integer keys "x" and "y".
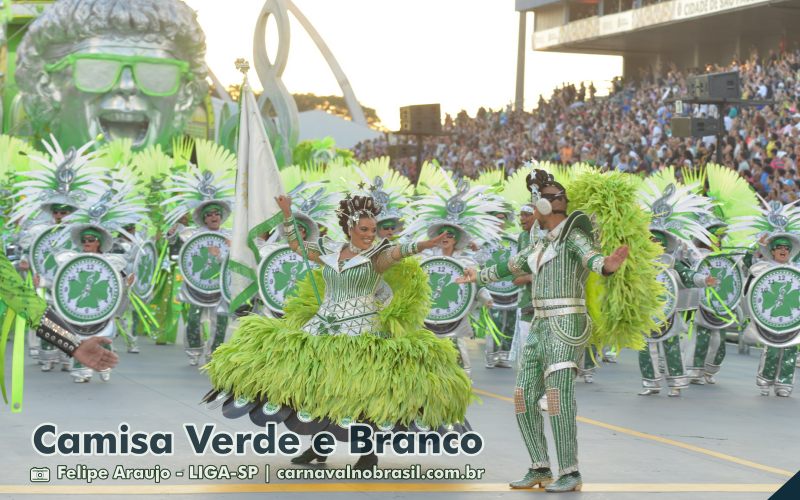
{"x": 255, "y": 211}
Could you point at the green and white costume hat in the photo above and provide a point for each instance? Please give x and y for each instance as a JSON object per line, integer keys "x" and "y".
{"x": 677, "y": 213}
{"x": 466, "y": 209}
{"x": 107, "y": 214}
{"x": 775, "y": 221}
{"x": 314, "y": 201}
{"x": 312, "y": 205}
{"x": 210, "y": 182}
{"x": 194, "y": 191}
{"x": 66, "y": 178}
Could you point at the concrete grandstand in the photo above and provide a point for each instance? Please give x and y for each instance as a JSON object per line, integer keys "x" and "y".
{"x": 650, "y": 33}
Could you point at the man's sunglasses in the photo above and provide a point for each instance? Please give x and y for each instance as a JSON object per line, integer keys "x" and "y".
{"x": 89, "y": 239}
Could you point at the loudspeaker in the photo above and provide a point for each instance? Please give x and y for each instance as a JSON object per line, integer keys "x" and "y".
{"x": 423, "y": 119}
{"x": 402, "y": 150}
{"x": 683, "y": 126}
{"x": 715, "y": 86}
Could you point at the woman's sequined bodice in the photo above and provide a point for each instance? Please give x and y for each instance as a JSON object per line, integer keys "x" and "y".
{"x": 349, "y": 306}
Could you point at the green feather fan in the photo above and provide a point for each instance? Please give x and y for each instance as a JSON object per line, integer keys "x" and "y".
{"x": 431, "y": 177}
{"x": 624, "y": 305}
{"x": 14, "y": 155}
{"x": 733, "y": 198}
{"x": 695, "y": 177}
{"x": 114, "y": 153}
{"x": 493, "y": 177}
{"x": 515, "y": 189}
{"x": 664, "y": 178}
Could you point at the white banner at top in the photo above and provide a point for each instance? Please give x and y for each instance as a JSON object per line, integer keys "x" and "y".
{"x": 685, "y": 9}
{"x": 644, "y": 17}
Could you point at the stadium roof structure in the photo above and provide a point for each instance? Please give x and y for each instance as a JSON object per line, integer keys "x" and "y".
{"x": 669, "y": 26}
{"x": 690, "y": 33}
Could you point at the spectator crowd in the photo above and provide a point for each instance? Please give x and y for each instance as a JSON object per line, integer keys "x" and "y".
{"x": 629, "y": 130}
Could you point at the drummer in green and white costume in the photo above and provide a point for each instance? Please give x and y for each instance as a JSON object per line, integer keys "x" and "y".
{"x": 209, "y": 217}
{"x": 505, "y": 319}
{"x": 95, "y": 239}
{"x": 676, "y": 211}
{"x": 670, "y": 348}
{"x": 561, "y": 264}
{"x": 706, "y": 348}
{"x": 777, "y": 230}
{"x": 207, "y": 197}
{"x": 312, "y": 205}
{"x": 461, "y": 213}
{"x": 776, "y": 368}
{"x": 90, "y": 230}
{"x": 455, "y": 245}
{"x": 53, "y": 189}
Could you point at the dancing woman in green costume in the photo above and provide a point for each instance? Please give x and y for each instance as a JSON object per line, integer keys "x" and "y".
{"x": 350, "y": 358}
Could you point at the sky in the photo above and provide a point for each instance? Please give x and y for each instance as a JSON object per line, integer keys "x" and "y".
{"x": 459, "y": 53}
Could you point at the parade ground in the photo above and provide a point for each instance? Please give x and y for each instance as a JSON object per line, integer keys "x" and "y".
{"x": 716, "y": 441}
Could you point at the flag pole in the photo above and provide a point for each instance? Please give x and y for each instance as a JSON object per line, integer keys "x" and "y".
{"x": 243, "y": 66}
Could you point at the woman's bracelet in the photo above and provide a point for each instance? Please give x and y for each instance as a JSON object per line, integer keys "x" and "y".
{"x": 408, "y": 249}
{"x": 288, "y": 226}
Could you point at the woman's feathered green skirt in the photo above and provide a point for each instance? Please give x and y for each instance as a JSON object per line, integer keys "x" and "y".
{"x": 274, "y": 371}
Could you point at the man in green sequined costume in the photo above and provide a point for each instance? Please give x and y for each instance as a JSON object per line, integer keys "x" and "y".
{"x": 560, "y": 264}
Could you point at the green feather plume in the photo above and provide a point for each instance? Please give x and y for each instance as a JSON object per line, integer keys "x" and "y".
{"x": 431, "y": 178}
{"x": 493, "y": 177}
{"x": 664, "y": 178}
{"x": 515, "y": 188}
{"x": 733, "y": 197}
{"x": 624, "y": 305}
{"x": 14, "y": 155}
{"x": 696, "y": 177}
{"x": 116, "y": 152}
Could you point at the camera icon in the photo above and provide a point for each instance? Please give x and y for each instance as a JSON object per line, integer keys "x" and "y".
{"x": 40, "y": 475}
